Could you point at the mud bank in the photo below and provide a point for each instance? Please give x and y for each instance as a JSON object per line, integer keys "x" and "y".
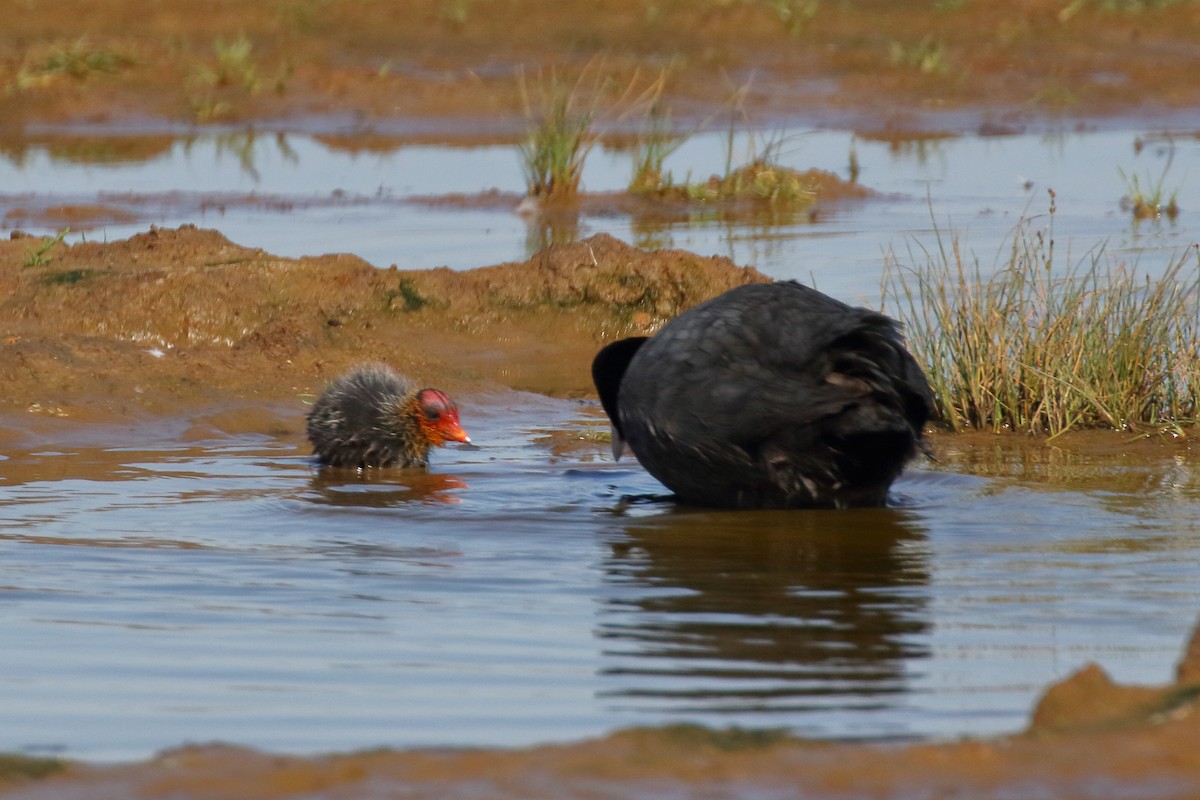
{"x": 172, "y": 320}
{"x": 1088, "y": 738}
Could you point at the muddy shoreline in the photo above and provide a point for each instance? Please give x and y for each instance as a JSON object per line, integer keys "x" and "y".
{"x": 174, "y": 319}
{"x": 1088, "y": 738}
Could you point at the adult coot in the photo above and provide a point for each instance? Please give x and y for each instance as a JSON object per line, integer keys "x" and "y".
{"x": 373, "y": 417}
{"x": 770, "y": 395}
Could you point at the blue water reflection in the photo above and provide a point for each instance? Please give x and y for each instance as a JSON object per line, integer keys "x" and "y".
{"x": 297, "y": 195}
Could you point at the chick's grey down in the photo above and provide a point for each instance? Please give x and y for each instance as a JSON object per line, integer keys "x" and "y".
{"x": 770, "y": 395}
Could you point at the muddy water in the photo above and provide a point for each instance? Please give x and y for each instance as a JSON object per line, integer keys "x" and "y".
{"x": 218, "y": 587}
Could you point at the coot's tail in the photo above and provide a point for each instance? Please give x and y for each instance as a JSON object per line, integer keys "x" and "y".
{"x": 881, "y": 426}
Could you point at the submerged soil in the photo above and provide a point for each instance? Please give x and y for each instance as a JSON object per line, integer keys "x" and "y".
{"x": 150, "y": 329}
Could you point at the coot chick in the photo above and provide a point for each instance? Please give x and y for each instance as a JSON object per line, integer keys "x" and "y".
{"x": 374, "y": 417}
{"x": 768, "y": 396}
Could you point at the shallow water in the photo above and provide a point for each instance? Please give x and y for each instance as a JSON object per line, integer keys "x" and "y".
{"x": 296, "y": 195}
{"x": 531, "y": 589}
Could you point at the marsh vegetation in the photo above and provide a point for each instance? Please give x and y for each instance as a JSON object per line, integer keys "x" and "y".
{"x": 565, "y": 116}
{"x": 1051, "y": 342}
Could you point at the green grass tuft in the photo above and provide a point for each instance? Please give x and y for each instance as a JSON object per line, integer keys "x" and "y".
{"x": 562, "y": 115}
{"x": 1044, "y": 345}
{"x": 1149, "y": 199}
{"x": 795, "y": 14}
{"x": 456, "y": 12}
{"x": 760, "y": 179}
{"x": 233, "y": 65}
{"x": 410, "y": 299}
{"x": 763, "y": 180}
{"x": 233, "y": 71}
{"x": 560, "y": 134}
{"x": 80, "y": 59}
{"x": 39, "y": 255}
{"x": 654, "y": 144}
{"x": 927, "y": 56}
{"x": 17, "y": 766}
{"x": 1118, "y": 6}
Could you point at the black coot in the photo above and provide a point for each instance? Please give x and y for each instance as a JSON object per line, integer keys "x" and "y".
{"x": 768, "y": 396}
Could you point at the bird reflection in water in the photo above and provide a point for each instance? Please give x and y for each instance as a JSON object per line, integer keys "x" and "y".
{"x": 382, "y": 488}
{"x": 765, "y": 611}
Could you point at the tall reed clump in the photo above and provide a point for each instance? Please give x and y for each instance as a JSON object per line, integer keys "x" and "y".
{"x": 1044, "y": 346}
{"x": 562, "y": 114}
{"x": 559, "y": 136}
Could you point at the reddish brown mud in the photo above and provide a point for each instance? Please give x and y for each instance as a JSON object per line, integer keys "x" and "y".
{"x": 170, "y": 319}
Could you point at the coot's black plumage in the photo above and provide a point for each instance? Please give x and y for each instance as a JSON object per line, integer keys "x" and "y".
{"x": 768, "y": 396}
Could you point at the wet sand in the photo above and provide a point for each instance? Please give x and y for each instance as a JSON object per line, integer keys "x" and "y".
{"x": 135, "y": 336}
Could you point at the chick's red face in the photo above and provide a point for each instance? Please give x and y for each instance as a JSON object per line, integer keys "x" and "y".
{"x": 439, "y": 417}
